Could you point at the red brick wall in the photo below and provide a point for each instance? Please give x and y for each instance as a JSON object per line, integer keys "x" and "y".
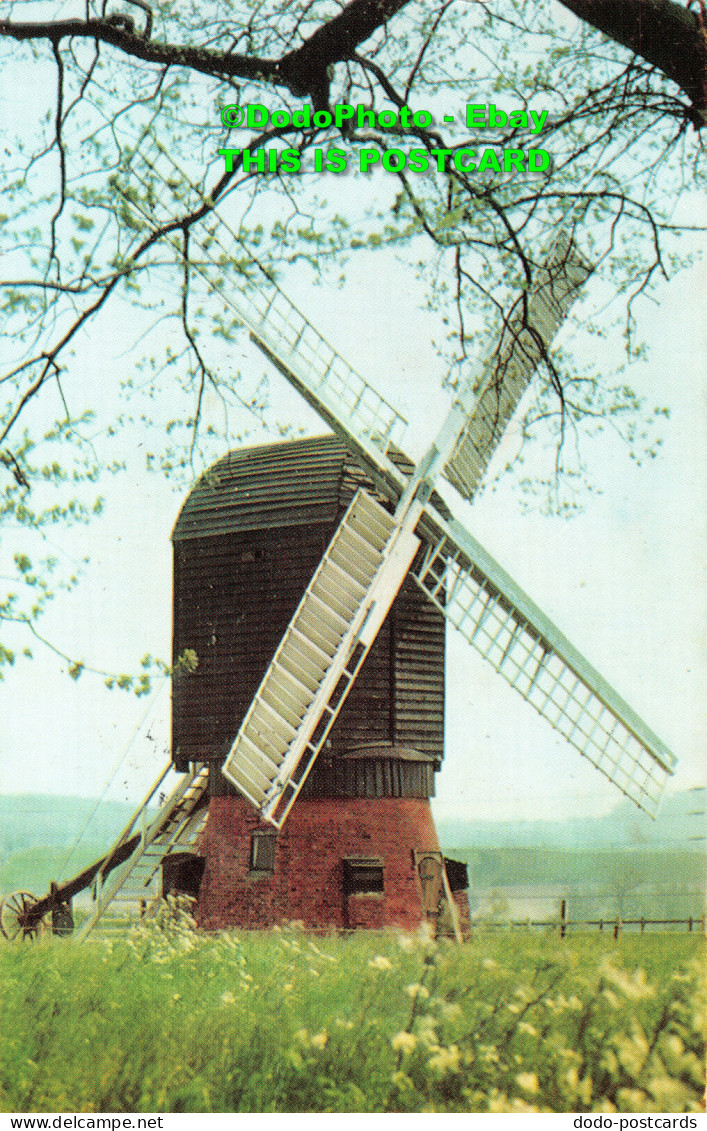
{"x": 307, "y": 884}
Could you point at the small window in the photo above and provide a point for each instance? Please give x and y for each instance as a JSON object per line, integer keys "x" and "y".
{"x": 362, "y": 874}
{"x": 262, "y": 851}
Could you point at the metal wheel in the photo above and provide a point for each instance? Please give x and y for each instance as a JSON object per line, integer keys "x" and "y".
{"x": 14, "y": 915}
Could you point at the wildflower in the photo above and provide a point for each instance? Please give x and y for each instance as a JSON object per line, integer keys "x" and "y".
{"x": 320, "y": 1039}
{"x": 450, "y": 1010}
{"x": 632, "y": 986}
{"x": 426, "y": 1031}
{"x": 669, "y": 1093}
{"x": 528, "y": 1082}
{"x": 425, "y": 934}
{"x": 403, "y": 1042}
{"x": 321, "y": 953}
{"x": 176, "y": 997}
{"x": 380, "y": 962}
{"x": 406, "y": 943}
{"x": 416, "y": 989}
{"x": 526, "y": 1027}
{"x": 489, "y": 964}
{"x": 228, "y": 998}
{"x": 445, "y": 1059}
{"x": 402, "y": 1082}
{"x": 344, "y": 1024}
{"x": 288, "y": 987}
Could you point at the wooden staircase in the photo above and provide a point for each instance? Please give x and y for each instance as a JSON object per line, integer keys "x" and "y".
{"x": 125, "y": 893}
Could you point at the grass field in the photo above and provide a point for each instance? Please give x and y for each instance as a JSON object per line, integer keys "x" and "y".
{"x": 168, "y": 1020}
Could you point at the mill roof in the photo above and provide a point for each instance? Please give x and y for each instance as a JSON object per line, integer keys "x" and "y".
{"x": 289, "y": 483}
{"x": 285, "y": 484}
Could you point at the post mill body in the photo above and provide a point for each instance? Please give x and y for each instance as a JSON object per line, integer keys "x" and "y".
{"x": 359, "y": 848}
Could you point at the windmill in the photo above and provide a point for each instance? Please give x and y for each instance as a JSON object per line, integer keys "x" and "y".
{"x": 373, "y": 550}
{"x": 396, "y": 532}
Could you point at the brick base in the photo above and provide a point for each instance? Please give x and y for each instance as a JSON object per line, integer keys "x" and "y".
{"x": 307, "y": 884}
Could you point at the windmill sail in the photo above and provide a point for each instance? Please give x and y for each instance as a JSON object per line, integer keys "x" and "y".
{"x": 457, "y": 574}
{"x": 491, "y": 402}
{"x": 523, "y": 645}
{"x": 319, "y": 656}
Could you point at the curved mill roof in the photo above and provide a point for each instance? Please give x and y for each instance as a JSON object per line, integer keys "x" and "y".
{"x": 285, "y": 484}
{"x": 291, "y": 483}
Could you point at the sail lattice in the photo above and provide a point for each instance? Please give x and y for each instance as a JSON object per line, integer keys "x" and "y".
{"x": 501, "y": 622}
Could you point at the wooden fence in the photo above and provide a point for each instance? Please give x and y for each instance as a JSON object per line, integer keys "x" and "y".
{"x": 563, "y": 923}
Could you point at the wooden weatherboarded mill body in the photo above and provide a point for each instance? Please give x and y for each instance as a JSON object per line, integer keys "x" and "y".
{"x": 359, "y": 848}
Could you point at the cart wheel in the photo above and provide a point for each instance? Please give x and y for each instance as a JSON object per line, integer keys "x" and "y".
{"x": 14, "y": 917}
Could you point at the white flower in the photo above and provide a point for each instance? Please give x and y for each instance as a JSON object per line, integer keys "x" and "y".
{"x": 228, "y": 998}
{"x": 320, "y": 1039}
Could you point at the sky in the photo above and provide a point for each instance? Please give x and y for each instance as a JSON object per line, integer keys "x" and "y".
{"x": 624, "y": 579}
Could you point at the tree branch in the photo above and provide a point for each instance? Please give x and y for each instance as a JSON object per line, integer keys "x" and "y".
{"x": 304, "y": 70}
{"x": 218, "y": 64}
{"x": 664, "y": 33}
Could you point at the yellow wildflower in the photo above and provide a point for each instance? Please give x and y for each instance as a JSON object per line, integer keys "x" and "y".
{"x": 415, "y": 989}
{"x": 380, "y": 962}
{"x": 528, "y": 1082}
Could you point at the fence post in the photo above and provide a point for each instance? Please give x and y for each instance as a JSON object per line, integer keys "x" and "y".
{"x": 643, "y": 924}
{"x": 689, "y": 923}
{"x": 617, "y": 927}
{"x": 601, "y": 924}
{"x": 563, "y": 918}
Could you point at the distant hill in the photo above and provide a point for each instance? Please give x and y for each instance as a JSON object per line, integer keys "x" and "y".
{"x": 625, "y": 826}
{"x": 31, "y": 820}
{"x": 38, "y": 833}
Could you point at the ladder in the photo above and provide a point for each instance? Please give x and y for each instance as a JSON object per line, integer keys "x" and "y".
{"x": 320, "y": 655}
{"x": 124, "y": 894}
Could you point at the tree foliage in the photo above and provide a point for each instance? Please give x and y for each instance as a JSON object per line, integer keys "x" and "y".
{"x": 120, "y": 206}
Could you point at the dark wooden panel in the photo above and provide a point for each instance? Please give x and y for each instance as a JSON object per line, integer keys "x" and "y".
{"x": 234, "y": 596}
{"x": 418, "y": 663}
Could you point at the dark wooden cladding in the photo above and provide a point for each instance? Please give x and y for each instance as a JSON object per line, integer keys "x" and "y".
{"x": 234, "y": 596}
{"x": 246, "y": 544}
{"x": 386, "y": 775}
{"x": 418, "y": 671}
